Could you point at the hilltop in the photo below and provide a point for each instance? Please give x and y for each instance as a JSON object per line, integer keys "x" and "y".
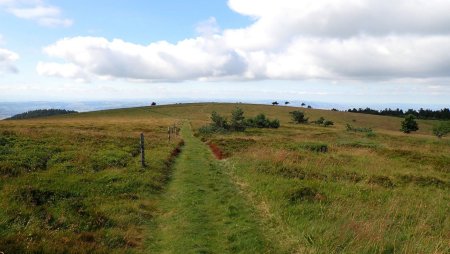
{"x": 74, "y": 183}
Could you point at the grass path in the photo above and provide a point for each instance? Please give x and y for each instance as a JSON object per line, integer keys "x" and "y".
{"x": 202, "y": 211}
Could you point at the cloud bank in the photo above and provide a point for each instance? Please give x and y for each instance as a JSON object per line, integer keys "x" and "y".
{"x": 291, "y": 40}
{"x": 38, "y": 11}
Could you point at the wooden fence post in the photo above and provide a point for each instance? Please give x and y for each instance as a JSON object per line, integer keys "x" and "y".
{"x": 142, "y": 150}
{"x": 168, "y": 133}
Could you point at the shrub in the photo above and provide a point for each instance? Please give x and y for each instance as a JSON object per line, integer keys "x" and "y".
{"x": 369, "y": 131}
{"x": 327, "y": 123}
{"x": 409, "y": 124}
{"x": 218, "y": 121}
{"x": 315, "y": 147}
{"x": 238, "y": 123}
{"x": 298, "y": 117}
{"x": 237, "y": 120}
{"x": 275, "y": 124}
{"x": 210, "y": 129}
{"x": 320, "y": 120}
{"x": 442, "y": 129}
{"x": 261, "y": 121}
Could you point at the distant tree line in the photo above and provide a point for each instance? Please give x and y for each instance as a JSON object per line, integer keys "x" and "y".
{"x": 41, "y": 113}
{"x": 442, "y": 114}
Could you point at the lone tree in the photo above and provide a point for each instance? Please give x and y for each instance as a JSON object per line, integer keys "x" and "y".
{"x": 298, "y": 117}
{"x": 286, "y": 103}
{"x": 275, "y": 103}
{"x": 153, "y": 103}
{"x": 303, "y": 104}
{"x": 442, "y": 129}
{"x": 237, "y": 120}
{"x": 409, "y": 124}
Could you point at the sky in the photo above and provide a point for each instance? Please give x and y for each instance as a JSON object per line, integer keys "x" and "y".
{"x": 352, "y": 51}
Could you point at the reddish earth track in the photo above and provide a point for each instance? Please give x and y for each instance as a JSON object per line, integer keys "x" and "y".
{"x": 216, "y": 151}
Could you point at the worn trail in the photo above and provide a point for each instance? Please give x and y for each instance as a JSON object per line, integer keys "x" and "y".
{"x": 203, "y": 211}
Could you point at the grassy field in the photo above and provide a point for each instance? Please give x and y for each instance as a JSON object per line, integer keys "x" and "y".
{"x": 74, "y": 184}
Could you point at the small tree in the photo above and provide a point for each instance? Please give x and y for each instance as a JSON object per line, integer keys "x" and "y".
{"x": 442, "y": 129}
{"x": 409, "y": 124}
{"x": 237, "y": 120}
{"x": 260, "y": 121}
{"x": 275, "y": 103}
{"x": 286, "y": 103}
{"x": 298, "y": 117}
{"x": 309, "y": 106}
{"x": 303, "y": 104}
{"x": 218, "y": 121}
{"x": 153, "y": 103}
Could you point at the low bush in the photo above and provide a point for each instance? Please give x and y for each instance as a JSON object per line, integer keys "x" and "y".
{"x": 210, "y": 129}
{"x": 311, "y": 146}
{"x": 261, "y": 121}
{"x": 327, "y": 123}
{"x": 442, "y": 129}
{"x": 350, "y": 128}
{"x": 238, "y": 122}
{"x": 369, "y": 132}
{"x": 322, "y": 121}
{"x": 298, "y": 117}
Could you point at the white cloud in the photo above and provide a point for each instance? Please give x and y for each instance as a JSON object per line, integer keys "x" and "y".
{"x": 198, "y": 58}
{"x": 38, "y": 11}
{"x": 208, "y": 27}
{"x": 70, "y": 71}
{"x": 7, "y": 59}
{"x": 289, "y": 39}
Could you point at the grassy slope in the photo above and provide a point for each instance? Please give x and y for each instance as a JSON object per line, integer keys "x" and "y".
{"x": 75, "y": 183}
{"x": 387, "y": 193}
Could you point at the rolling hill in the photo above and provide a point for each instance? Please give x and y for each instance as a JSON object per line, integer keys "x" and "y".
{"x": 74, "y": 184}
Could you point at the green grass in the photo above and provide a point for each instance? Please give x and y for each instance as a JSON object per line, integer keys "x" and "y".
{"x": 202, "y": 211}
{"x": 74, "y": 184}
{"x": 383, "y": 193}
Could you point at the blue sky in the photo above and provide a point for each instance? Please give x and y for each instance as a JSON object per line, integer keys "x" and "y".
{"x": 322, "y": 50}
